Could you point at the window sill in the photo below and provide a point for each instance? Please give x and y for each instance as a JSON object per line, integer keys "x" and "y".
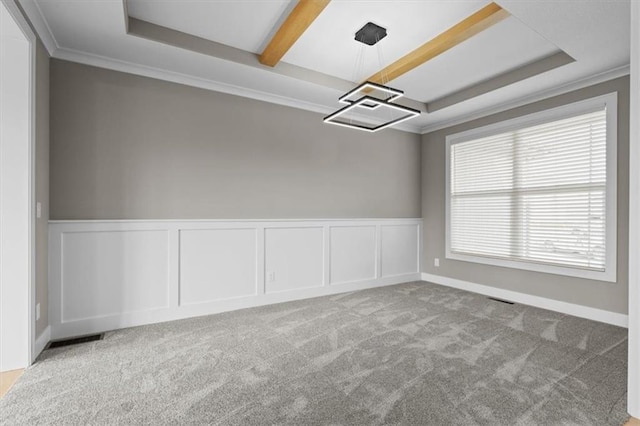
{"x": 609, "y": 275}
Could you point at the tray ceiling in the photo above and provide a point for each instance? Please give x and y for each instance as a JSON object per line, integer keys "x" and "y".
{"x": 215, "y": 44}
{"x": 241, "y": 24}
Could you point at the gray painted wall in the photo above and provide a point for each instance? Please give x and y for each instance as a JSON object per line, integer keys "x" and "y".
{"x": 597, "y": 294}
{"x": 42, "y": 183}
{"x": 130, "y": 147}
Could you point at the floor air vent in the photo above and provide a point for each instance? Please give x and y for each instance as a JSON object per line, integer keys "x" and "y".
{"x": 75, "y": 341}
{"x": 500, "y": 300}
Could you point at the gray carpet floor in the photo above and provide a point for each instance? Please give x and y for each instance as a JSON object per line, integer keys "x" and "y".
{"x": 413, "y": 354}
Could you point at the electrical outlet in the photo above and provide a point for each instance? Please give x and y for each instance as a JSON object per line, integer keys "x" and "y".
{"x": 37, "y": 311}
{"x": 436, "y": 262}
{"x": 271, "y": 277}
{"x": 38, "y": 209}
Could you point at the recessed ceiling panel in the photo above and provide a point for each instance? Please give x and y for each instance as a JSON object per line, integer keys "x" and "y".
{"x": 246, "y": 25}
{"x": 328, "y": 45}
{"x": 503, "y": 47}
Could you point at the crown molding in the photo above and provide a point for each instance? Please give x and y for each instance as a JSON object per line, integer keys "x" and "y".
{"x": 180, "y": 78}
{"x": 36, "y": 17}
{"x": 15, "y": 11}
{"x": 554, "y": 91}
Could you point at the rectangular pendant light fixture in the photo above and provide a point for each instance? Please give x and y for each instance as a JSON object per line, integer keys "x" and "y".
{"x": 369, "y": 102}
{"x": 369, "y": 96}
{"x": 351, "y": 96}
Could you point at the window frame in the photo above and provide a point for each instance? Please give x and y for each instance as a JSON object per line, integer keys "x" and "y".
{"x": 610, "y": 101}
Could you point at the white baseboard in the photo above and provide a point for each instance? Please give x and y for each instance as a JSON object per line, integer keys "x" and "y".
{"x": 41, "y": 343}
{"x": 134, "y": 319}
{"x": 581, "y": 311}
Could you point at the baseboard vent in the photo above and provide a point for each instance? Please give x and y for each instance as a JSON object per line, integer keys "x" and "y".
{"x": 500, "y": 300}
{"x": 75, "y": 341}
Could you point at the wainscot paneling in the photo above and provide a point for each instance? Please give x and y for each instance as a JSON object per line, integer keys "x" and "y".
{"x": 353, "y": 253}
{"x": 110, "y": 272}
{"x": 217, "y": 264}
{"x": 294, "y": 258}
{"x": 106, "y": 275}
{"x": 400, "y": 250}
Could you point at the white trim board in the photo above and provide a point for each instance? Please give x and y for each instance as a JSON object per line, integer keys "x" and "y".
{"x": 581, "y": 311}
{"x": 633, "y": 389}
{"x": 216, "y": 86}
{"x": 18, "y": 221}
{"x": 105, "y": 62}
{"x": 40, "y": 24}
{"x": 316, "y": 220}
{"x": 526, "y": 100}
{"x": 41, "y": 343}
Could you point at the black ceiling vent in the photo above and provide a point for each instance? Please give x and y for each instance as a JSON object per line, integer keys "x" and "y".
{"x": 371, "y": 34}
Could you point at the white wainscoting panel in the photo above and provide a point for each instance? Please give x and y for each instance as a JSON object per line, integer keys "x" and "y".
{"x": 353, "y": 253}
{"x": 400, "y": 249}
{"x": 105, "y": 275}
{"x": 217, "y": 264}
{"x": 294, "y": 258}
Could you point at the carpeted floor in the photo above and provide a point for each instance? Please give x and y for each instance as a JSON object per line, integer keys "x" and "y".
{"x": 414, "y": 354}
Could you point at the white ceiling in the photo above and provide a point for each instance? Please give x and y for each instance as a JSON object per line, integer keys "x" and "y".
{"x": 594, "y": 33}
{"x": 328, "y": 45}
{"x": 502, "y": 47}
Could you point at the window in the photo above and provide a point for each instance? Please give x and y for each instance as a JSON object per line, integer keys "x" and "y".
{"x": 537, "y": 192}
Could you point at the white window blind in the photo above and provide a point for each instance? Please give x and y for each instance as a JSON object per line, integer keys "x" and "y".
{"x": 535, "y": 194}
